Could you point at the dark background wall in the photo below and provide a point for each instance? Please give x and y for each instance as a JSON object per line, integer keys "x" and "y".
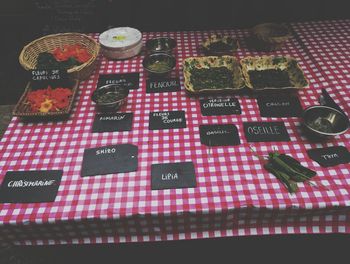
{"x": 24, "y": 20}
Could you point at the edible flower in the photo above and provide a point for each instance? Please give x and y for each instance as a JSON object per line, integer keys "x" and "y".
{"x": 48, "y": 100}
{"x": 76, "y": 51}
{"x": 45, "y": 106}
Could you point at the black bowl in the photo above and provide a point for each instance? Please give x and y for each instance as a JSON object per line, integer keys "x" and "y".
{"x": 159, "y": 63}
{"x": 162, "y": 44}
{"x": 323, "y": 122}
{"x": 110, "y": 97}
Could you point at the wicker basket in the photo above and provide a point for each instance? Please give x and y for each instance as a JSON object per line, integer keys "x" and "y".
{"x": 29, "y": 54}
{"x": 266, "y": 34}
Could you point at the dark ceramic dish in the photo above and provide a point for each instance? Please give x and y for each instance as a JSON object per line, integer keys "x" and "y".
{"x": 162, "y": 44}
{"x": 109, "y": 98}
{"x": 322, "y": 122}
{"x": 159, "y": 63}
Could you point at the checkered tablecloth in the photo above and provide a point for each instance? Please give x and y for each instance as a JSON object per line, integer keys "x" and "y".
{"x": 234, "y": 195}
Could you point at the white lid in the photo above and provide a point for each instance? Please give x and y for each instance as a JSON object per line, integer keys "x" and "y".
{"x": 120, "y": 37}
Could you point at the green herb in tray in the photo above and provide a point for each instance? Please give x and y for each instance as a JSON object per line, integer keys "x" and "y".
{"x": 220, "y": 46}
{"x": 271, "y": 78}
{"x": 211, "y": 78}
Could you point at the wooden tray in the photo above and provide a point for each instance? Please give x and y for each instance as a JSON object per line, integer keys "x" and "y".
{"x": 289, "y": 64}
{"x": 22, "y": 109}
{"x": 209, "y": 62}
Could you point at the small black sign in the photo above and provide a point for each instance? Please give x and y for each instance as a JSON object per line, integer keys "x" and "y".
{"x": 163, "y": 85}
{"x": 30, "y": 186}
{"x": 279, "y": 106}
{"x": 219, "y": 135}
{"x": 112, "y": 122}
{"x": 128, "y": 80}
{"x": 220, "y": 106}
{"x": 173, "y": 175}
{"x": 167, "y": 120}
{"x": 265, "y": 131}
{"x": 48, "y": 75}
{"x": 109, "y": 159}
{"x": 331, "y": 156}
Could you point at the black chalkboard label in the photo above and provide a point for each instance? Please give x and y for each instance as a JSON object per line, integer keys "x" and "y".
{"x": 173, "y": 175}
{"x": 167, "y": 120}
{"x": 219, "y": 135}
{"x": 30, "y": 186}
{"x": 265, "y": 131}
{"x": 112, "y": 122}
{"x": 220, "y": 106}
{"x": 279, "y": 106}
{"x": 48, "y": 75}
{"x": 331, "y": 156}
{"x": 128, "y": 80}
{"x": 163, "y": 85}
{"x": 109, "y": 159}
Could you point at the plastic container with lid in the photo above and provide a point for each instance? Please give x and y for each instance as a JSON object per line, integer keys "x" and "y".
{"x": 121, "y": 42}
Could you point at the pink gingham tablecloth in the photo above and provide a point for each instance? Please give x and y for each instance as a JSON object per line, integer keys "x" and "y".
{"x": 234, "y": 196}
